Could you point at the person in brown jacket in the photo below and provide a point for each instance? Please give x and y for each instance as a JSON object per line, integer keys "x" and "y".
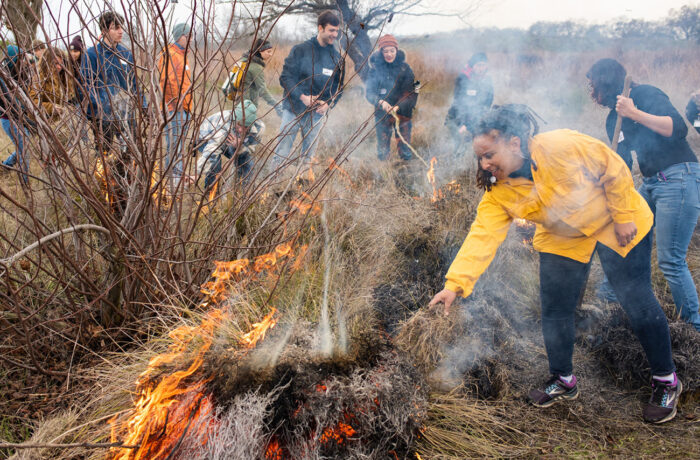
{"x": 51, "y": 93}
{"x": 56, "y": 86}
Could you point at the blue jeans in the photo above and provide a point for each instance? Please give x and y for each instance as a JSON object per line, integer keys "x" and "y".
{"x": 243, "y": 161}
{"x": 674, "y": 198}
{"x": 175, "y": 141}
{"x": 386, "y": 130}
{"x": 18, "y": 137}
{"x": 562, "y": 281}
{"x": 309, "y": 123}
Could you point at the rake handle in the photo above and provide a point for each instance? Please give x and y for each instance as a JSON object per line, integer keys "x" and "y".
{"x": 618, "y": 122}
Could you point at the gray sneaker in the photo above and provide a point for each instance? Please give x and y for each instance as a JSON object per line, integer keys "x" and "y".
{"x": 664, "y": 399}
{"x": 553, "y": 391}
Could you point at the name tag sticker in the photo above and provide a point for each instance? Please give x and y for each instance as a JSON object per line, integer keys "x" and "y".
{"x": 621, "y": 137}
{"x": 471, "y": 92}
{"x": 327, "y": 72}
{"x": 382, "y": 91}
{"x": 696, "y": 123}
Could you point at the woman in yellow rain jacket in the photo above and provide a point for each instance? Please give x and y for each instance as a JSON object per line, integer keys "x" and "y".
{"x": 582, "y": 198}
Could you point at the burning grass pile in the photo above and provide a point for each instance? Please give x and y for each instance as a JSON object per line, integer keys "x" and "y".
{"x": 293, "y": 403}
{"x": 368, "y": 403}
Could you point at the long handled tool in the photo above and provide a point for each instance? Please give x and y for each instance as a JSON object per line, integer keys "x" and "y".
{"x": 397, "y": 124}
{"x": 618, "y": 123}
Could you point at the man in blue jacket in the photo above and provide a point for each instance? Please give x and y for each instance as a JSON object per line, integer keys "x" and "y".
{"x": 312, "y": 79}
{"x": 108, "y": 72}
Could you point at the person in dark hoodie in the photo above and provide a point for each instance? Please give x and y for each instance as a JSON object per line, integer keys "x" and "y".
{"x": 473, "y": 96}
{"x": 692, "y": 111}
{"x": 15, "y": 80}
{"x": 391, "y": 90}
{"x": 312, "y": 79}
{"x": 654, "y": 129}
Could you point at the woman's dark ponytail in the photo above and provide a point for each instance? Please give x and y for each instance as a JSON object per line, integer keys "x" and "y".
{"x": 508, "y": 120}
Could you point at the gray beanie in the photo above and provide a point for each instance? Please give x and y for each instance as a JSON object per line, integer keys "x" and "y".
{"x": 180, "y": 29}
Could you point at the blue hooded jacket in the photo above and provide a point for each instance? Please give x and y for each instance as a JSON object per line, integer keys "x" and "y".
{"x": 106, "y": 71}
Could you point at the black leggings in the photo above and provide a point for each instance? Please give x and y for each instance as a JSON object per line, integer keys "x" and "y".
{"x": 562, "y": 281}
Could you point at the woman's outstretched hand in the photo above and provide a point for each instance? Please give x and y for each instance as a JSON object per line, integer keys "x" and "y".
{"x": 446, "y": 297}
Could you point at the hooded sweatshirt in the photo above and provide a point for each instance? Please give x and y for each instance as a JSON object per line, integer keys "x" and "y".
{"x": 392, "y": 82}
{"x": 313, "y": 70}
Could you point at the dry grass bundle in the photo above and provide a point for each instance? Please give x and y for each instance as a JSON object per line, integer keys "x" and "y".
{"x": 460, "y": 427}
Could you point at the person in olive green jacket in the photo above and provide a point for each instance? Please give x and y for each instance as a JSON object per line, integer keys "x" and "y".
{"x": 254, "y": 86}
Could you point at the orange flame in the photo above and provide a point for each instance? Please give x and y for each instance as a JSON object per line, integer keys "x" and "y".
{"x": 306, "y": 204}
{"x": 165, "y": 411}
{"x": 233, "y": 270}
{"x": 274, "y": 450}
{"x": 437, "y": 193}
{"x": 333, "y": 165}
{"x": 107, "y": 182}
{"x": 453, "y": 187}
{"x": 224, "y": 272}
{"x": 340, "y": 433}
{"x": 256, "y": 334}
{"x": 523, "y": 223}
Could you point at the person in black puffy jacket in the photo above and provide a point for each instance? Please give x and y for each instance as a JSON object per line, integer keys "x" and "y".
{"x": 391, "y": 89}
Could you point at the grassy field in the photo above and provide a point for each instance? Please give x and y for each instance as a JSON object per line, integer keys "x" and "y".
{"x": 377, "y": 250}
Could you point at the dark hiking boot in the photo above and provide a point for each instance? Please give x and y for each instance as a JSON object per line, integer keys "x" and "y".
{"x": 553, "y": 391}
{"x": 664, "y": 399}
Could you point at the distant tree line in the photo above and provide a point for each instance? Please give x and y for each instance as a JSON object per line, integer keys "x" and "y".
{"x": 680, "y": 24}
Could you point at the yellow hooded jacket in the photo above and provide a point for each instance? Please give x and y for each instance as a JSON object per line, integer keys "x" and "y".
{"x": 579, "y": 188}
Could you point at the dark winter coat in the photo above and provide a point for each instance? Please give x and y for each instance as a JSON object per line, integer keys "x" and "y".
{"x": 472, "y": 98}
{"x": 107, "y": 72}
{"x": 392, "y": 82}
{"x": 313, "y": 70}
{"x": 693, "y": 114}
{"x": 654, "y": 151}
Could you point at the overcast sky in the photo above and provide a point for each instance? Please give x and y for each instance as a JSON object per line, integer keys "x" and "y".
{"x": 491, "y": 13}
{"x": 523, "y": 13}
